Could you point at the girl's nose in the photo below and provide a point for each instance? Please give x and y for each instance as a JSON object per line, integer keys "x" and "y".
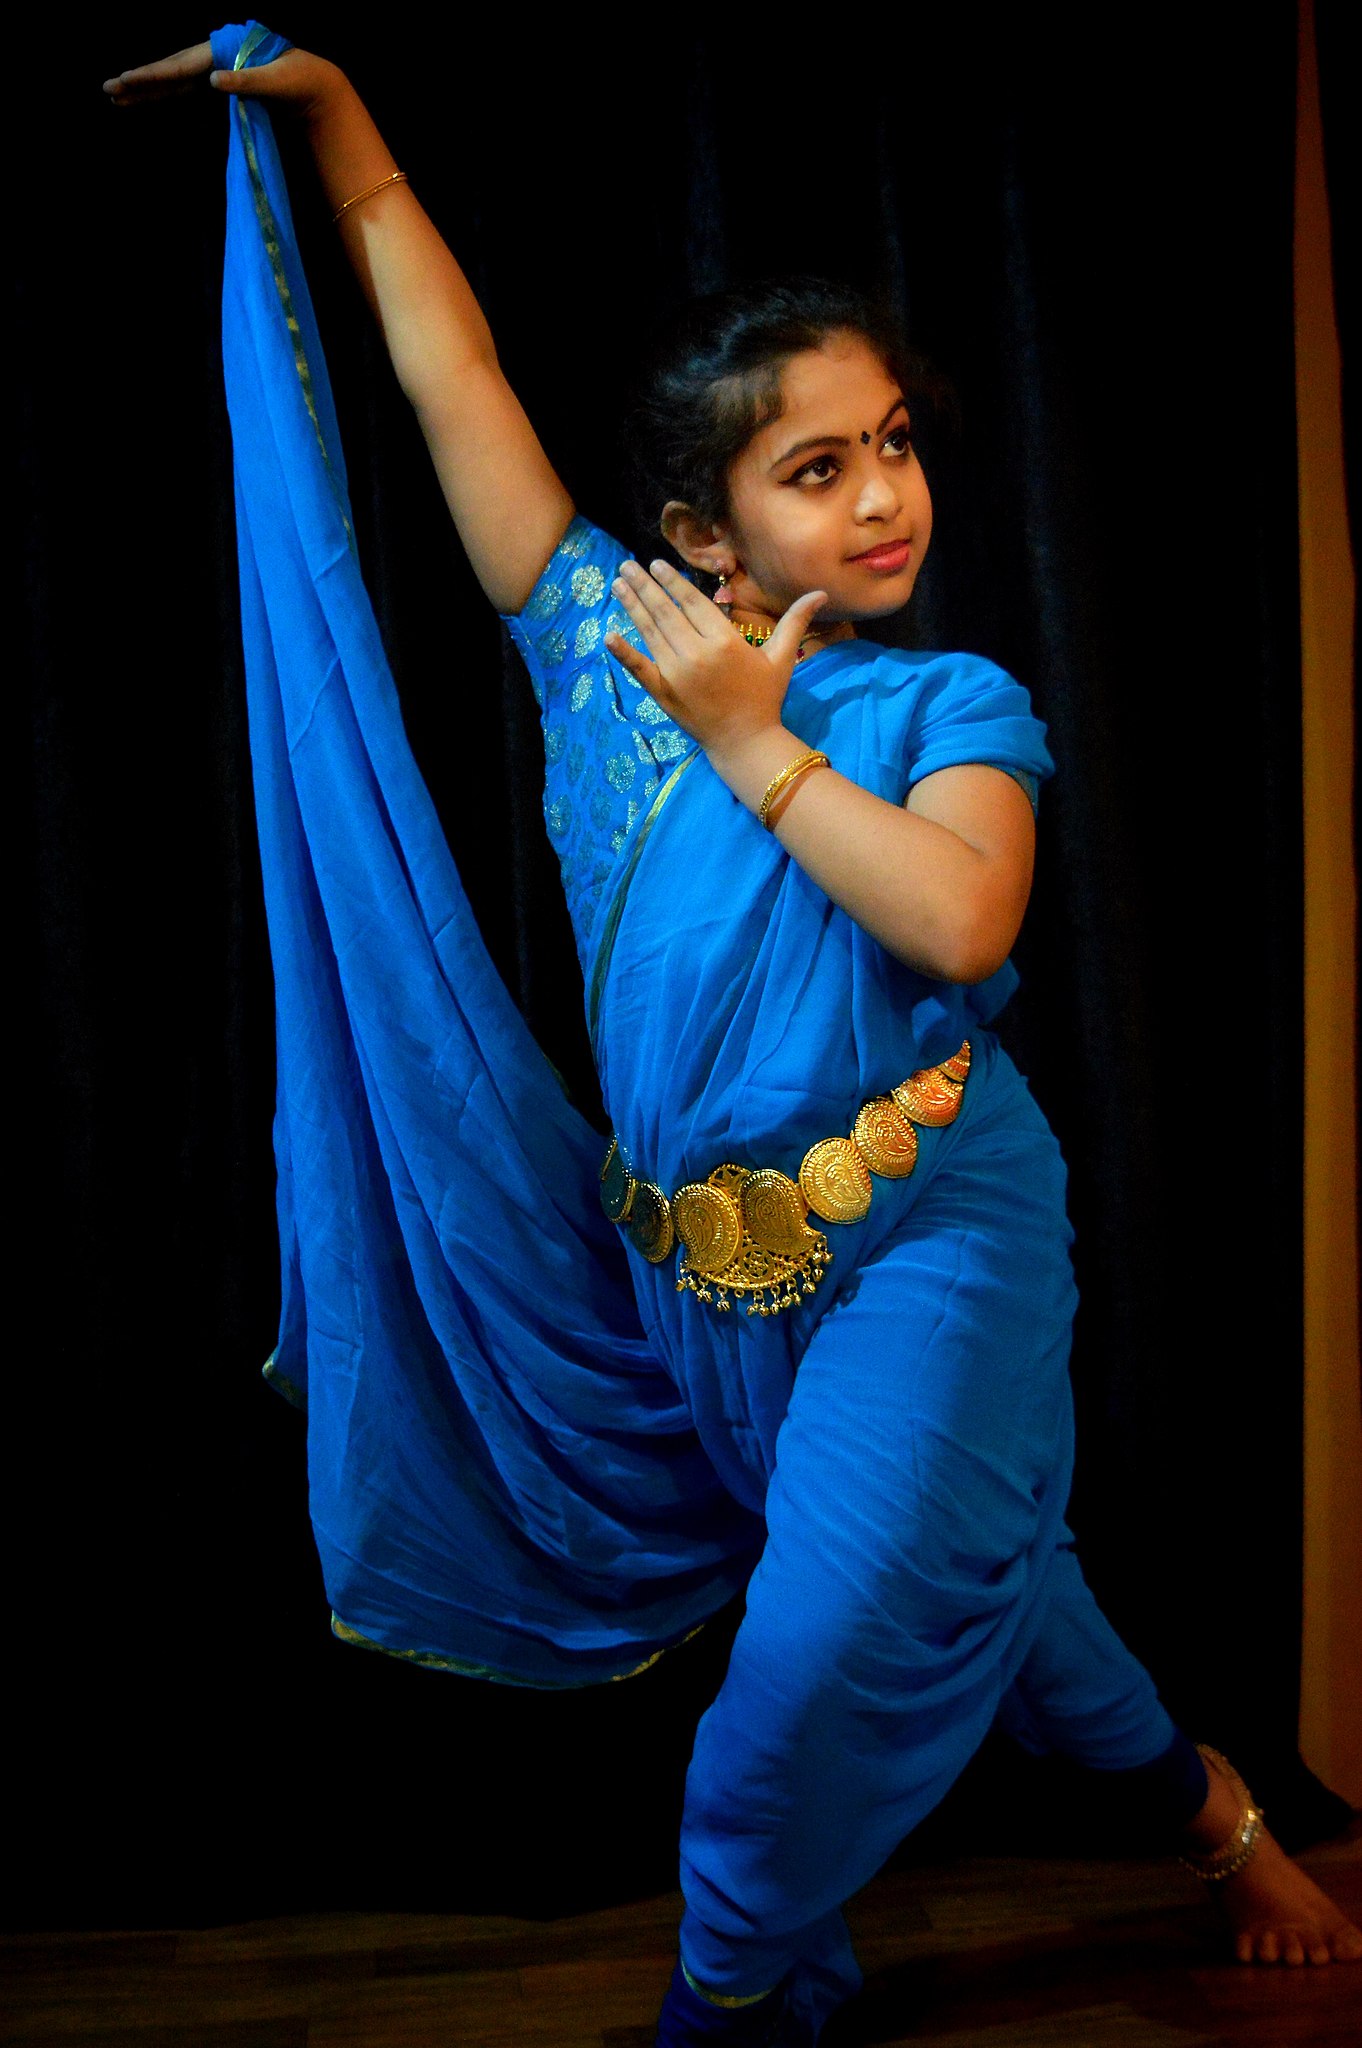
{"x": 877, "y": 498}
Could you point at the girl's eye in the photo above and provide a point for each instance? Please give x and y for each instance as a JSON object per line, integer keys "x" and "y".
{"x": 900, "y": 441}
{"x": 822, "y": 470}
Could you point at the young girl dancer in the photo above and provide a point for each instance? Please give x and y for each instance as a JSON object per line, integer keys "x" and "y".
{"x": 796, "y": 862}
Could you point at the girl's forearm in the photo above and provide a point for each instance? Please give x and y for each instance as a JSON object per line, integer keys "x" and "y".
{"x": 508, "y": 503}
{"x": 931, "y": 899}
{"x": 416, "y": 290}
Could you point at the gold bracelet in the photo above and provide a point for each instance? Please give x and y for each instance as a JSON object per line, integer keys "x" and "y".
{"x": 813, "y": 759}
{"x": 395, "y": 178}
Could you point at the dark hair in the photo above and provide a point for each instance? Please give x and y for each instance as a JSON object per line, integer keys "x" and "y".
{"x": 716, "y": 381}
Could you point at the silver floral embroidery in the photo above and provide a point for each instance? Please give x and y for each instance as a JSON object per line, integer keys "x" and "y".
{"x": 643, "y": 750}
{"x": 649, "y": 712}
{"x": 555, "y": 648}
{"x": 588, "y": 637}
{"x": 545, "y": 601}
{"x": 620, "y": 771}
{"x": 575, "y": 541}
{"x": 600, "y": 809}
{"x": 588, "y": 585}
{"x": 555, "y": 739}
{"x": 620, "y": 622}
{"x": 559, "y": 814}
{"x": 670, "y": 746}
{"x": 581, "y": 691}
{"x": 618, "y": 838}
{"x": 576, "y": 762}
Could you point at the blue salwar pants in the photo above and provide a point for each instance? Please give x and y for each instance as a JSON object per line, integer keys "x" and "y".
{"x": 918, "y": 1583}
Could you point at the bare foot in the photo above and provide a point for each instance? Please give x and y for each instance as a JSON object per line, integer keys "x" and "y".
{"x": 1275, "y": 1912}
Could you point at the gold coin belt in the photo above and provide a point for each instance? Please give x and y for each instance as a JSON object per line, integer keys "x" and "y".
{"x": 745, "y": 1233}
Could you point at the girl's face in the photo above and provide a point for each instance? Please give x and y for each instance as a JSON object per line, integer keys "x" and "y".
{"x": 830, "y": 495}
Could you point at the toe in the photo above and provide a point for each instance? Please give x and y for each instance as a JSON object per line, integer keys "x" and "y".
{"x": 1348, "y": 1944}
{"x": 1243, "y": 1947}
{"x": 1268, "y": 1950}
{"x": 1320, "y": 1951}
{"x": 1292, "y": 1951}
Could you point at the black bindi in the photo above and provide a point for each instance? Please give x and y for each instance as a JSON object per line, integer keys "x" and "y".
{"x": 865, "y": 440}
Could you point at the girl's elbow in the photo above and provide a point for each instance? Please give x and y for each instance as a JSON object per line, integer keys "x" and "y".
{"x": 977, "y": 947}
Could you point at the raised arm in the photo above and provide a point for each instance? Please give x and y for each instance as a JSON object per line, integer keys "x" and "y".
{"x": 508, "y": 504}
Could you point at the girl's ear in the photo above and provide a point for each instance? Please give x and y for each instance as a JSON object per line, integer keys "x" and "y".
{"x": 701, "y": 542}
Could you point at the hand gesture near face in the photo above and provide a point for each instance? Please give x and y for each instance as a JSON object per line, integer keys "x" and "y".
{"x": 702, "y": 672}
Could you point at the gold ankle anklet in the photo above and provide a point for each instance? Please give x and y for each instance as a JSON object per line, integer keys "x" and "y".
{"x": 1232, "y": 1855}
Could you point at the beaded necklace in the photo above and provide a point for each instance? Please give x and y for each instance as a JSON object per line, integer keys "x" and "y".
{"x": 757, "y": 636}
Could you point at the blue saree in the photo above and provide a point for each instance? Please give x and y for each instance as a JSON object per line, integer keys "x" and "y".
{"x": 531, "y": 1457}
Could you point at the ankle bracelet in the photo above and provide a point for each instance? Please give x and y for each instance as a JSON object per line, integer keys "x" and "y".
{"x": 1229, "y": 1859}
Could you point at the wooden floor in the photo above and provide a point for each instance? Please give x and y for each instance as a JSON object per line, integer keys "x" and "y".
{"x": 975, "y": 1952}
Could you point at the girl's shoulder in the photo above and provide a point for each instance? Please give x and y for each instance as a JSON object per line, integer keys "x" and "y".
{"x": 910, "y": 663}
{"x": 912, "y": 676}
{"x": 924, "y": 709}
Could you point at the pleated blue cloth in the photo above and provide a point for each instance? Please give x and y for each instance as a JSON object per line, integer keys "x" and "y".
{"x": 529, "y": 1456}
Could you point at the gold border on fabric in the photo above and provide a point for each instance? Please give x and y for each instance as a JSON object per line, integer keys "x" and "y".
{"x": 281, "y": 1382}
{"x": 269, "y": 229}
{"x": 724, "y": 2002}
{"x": 430, "y": 1660}
{"x": 610, "y": 931}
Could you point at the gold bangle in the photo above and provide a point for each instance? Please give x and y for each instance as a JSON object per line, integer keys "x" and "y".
{"x": 394, "y": 178}
{"x": 813, "y": 759}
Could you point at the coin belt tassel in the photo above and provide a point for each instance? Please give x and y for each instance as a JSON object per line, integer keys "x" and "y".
{"x": 744, "y": 1231}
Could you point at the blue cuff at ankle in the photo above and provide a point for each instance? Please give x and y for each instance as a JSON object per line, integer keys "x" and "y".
{"x": 1172, "y": 1789}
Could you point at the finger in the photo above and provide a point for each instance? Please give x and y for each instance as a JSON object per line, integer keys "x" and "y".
{"x": 178, "y": 73}
{"x": 668, "y": 621}
{"x": 702, "y": 612}
{"x": 643, "y": 671}
{"x": 272, "y": 81}
{"x": 640, "y": 617}
{"x": 661, "y": 623}
{"x": 784, "y": 642}
{"x": 1292, "y": 1951}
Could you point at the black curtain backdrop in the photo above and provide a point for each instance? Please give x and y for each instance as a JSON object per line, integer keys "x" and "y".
{"x": 1090, "y": 232}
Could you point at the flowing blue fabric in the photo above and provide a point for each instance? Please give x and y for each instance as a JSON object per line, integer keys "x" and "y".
{"x": 529, "y": 1456}
{"x": 501, "y": 1473}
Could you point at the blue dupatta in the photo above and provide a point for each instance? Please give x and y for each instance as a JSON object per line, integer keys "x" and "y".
{"x": 502, "y": 1477}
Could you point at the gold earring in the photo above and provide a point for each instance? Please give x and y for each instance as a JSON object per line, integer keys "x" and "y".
{"x": 723, "y": 596}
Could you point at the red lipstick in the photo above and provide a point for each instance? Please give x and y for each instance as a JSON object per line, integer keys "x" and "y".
{"x": 887, "y": 557}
